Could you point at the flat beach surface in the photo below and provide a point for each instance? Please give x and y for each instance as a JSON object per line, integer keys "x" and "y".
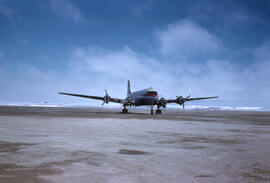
{"x": 42, "y": 144}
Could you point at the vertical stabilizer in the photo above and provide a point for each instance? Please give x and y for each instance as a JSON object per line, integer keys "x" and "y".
{"x": 128, "y": 89}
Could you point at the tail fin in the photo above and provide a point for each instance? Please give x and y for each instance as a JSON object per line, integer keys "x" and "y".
{"x": 128, "y": 89}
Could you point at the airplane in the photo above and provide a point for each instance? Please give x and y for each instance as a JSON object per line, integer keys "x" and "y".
{"x": 146, "y": 97}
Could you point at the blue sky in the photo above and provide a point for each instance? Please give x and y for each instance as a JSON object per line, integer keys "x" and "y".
{"x": 201, "y": 48}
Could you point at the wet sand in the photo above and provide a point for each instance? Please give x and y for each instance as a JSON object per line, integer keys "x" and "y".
{"x": 103, "y": 145}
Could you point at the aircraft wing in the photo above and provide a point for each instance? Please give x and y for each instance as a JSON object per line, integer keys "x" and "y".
{"x": 201, "y": 98}
{"x": 177, "y": 100}
{"x": 170, "y": 101}
{"x": 180, "y": 100}
{"x": 116, "y": 100}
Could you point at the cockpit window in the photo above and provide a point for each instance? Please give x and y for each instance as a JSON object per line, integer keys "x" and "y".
{"x": 152, "y": 92}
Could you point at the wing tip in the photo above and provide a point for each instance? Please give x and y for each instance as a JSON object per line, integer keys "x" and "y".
{"x": 62, "y": 93}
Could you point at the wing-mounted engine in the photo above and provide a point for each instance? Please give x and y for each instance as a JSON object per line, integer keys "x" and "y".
{"x": 181, "y": 100}
{"x": 128, "y": 101}
{"x": 162, "y": 102}
{"x": 107, "y": 98}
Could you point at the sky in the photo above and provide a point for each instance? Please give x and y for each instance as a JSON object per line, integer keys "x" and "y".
{"x": 178, "y": 47}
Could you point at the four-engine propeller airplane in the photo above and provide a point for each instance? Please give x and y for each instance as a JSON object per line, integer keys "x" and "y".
{"x": 148, "y": 97}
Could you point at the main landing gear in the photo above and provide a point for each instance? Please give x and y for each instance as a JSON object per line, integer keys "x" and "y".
{"x": 152, "y": 110}
{"x": 158, "y": 111}
{"x": 124, "y": 110}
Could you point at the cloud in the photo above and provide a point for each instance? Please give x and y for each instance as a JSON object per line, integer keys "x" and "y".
{"x": 186, "y": 38}
{"x": 66, "y": 9}
{"x": 262, "y": 54}
{"x": 114, "y": 63}
{"x": 116, "y": 67}
{"x": 216, "y": 77}
{"x": 258, "y": 72}
{"x": 8, "y": 12}
{"x": 92, "y": 69}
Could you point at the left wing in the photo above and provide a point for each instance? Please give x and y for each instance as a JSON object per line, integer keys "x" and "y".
{"x": 180, "y": 100}
{"x": 106, "y": 98}
{"x": 201, "y": 98}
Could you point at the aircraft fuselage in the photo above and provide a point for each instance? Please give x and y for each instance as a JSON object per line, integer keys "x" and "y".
{"x": 144, "y": 97}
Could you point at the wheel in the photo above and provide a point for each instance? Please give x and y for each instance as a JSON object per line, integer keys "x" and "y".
{"x": 152, "y": 111}
{"x": 158, "y": 111}
{"x": 124, "y": 110}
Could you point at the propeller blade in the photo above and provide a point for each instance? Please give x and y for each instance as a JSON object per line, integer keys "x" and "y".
{"x": 106, "y": 92}
{"x": 183, "y": 105}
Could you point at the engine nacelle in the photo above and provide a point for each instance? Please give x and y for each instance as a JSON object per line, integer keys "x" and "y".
{"x": 107, "y": 99}
{"x": 180, "y": 100}
{"x": 162, "y": 102}
{"x": 128, "y": 101}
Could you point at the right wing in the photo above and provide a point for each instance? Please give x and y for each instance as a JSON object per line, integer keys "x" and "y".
{"x": 116, "y": 100}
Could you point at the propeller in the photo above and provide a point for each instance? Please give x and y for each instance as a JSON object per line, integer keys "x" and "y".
{"x": 107, "y": 98}
{"x": 181, "y": 101}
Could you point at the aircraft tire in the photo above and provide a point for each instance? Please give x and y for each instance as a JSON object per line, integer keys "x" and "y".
{"x": 124, "y": 111}
{"x": 158, "y": 111}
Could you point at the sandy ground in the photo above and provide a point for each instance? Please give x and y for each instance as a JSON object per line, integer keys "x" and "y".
{"x": 102, "y": 145}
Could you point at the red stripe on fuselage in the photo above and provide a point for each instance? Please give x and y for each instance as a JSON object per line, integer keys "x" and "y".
{"x": 151, "y": 95}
